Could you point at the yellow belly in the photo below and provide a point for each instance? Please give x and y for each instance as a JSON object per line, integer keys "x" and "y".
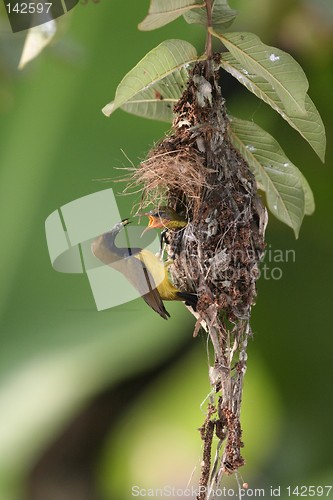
{"x": 159, "y": 274}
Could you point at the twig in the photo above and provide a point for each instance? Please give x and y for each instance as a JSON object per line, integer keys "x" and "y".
{"x": 208, "y": 49}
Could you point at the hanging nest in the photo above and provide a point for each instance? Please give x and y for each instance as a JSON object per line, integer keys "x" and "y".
{"x": 197, "y": 171}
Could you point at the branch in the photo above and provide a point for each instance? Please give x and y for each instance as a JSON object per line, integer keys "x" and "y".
{"x": 208, "y": 49}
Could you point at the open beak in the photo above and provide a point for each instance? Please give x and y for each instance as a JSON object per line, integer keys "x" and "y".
{"x": 154, "y": 222}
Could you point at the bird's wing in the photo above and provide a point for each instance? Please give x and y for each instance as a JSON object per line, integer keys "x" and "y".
{"x": 146, "y": 285}
{"x": 134, "y": 266}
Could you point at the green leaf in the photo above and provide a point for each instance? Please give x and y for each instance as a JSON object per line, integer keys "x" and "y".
{"x": 278, "y": 68}
{"x": 285, "y": 187}
{"x": 157, "y": 101}
{"x": 310, "y": 205}
{"x": 222, "y": 15}
{"x": 310, "y": 126}
{"x": 162, "y": 12}
{"x": 159, "y": 63}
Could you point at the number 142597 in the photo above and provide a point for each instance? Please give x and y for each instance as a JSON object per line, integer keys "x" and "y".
{"x": 29, "y": 8}
{"x": 309, "y": 491}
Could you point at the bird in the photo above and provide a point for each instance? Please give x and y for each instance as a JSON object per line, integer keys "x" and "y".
{"x": 144, "y": 270}
{"x": 167, "y": 218}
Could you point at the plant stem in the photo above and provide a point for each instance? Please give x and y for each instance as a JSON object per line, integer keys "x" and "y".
{"x": 208, "y": 49}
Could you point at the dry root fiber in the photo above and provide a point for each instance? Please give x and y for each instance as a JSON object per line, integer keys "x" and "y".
{"x": 198, "y": 172}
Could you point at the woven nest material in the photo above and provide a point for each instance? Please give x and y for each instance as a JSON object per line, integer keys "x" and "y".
{"x": 169, "y": 169}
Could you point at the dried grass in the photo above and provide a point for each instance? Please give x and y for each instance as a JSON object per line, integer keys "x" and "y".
{"x": 165, "y": 171}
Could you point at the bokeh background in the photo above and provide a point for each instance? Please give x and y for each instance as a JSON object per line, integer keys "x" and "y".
{"x": 93, "y": 403}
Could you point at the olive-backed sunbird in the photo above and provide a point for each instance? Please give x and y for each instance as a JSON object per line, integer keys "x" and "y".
{"x": 142, "y": 269}
{"x": 165, "y": 217}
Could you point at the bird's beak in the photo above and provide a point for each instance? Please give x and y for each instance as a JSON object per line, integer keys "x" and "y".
{"x": 154, "y": 222}
{"x": 125, "y": 222}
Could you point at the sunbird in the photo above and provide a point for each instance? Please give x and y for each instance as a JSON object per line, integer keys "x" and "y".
{"x": 142, "y": 269}
{"x": 165, "y": 217}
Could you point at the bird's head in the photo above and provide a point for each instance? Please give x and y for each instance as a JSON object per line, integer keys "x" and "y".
{"x": 164, "y": 217}
{"x": 110, "y": 236}
{"x": 119, "y": 226}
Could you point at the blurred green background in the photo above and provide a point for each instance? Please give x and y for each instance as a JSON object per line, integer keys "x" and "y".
{"x": 92, "y": 403}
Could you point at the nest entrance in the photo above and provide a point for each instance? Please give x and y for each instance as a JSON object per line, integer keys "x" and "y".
{"x": 198, "y": 172}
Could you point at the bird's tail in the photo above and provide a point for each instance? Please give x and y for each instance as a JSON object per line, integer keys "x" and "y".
{"x": 190, "y": 299}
